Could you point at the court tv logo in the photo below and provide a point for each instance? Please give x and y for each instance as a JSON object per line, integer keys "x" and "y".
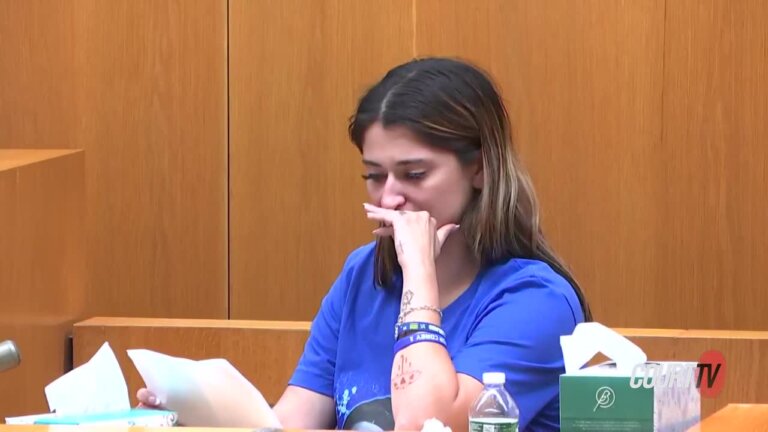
{"x": 708, "y": 375}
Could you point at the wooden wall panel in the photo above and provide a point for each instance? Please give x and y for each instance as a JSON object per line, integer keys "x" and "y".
{"x": 296, "y": 70}
{"x": 152, "y": 100}
{"x": 267, "y": 352}
{"x": 582, "y": 81}
{"x": 37, "y": 74}
{"x": 42, "y": 268}
{"x": 745, "y": 354}
{"x": 714, "y": 163}
{"x": 736, "y": 417}
{"x": 142, "y": 86}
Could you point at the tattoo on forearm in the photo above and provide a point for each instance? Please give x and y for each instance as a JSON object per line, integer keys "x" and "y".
{"x": 406, "y": 300}
{"x": 399, "y": 247}
{"x": 404, "y": 374}
{"x": 405, "y": 305}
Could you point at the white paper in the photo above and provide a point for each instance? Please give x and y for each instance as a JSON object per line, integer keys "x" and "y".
{"x": 206, "y": 393}
{"x": 96, "y": 386}
{"x": 591, "y": 338}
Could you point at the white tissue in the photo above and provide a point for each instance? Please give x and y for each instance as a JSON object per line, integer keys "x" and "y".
{"x": 434, "y": 425}
{"x": 96, "y": 386}
{"x": 591, "y": 338}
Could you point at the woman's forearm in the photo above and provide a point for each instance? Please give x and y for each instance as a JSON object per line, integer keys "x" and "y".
{"x": 299, "y": 408}
{"x": 424, "y": 381}
{"x": 424, "y": 386}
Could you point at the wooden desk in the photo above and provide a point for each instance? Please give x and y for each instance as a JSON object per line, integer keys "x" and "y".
{"x": 68, "y": 428}
{"x": 43, "y": 277}
{"x": 266, "y": 352}
{"x": 736, "y": 417}
{"x": 746, "y": 354}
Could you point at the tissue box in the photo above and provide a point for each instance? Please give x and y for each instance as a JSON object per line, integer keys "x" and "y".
{"x": 600, "y": 398}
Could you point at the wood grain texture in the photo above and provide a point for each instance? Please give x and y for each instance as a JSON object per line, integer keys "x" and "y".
{"x": 745, "y": 355}
{"x": 264, "y": 352}
{"x": 37, "y": 74}
{"x": 42, "y": 268}
{"x": 18, "y": 158}
{"x": 296, "y": 70}
{"x": 152, "y": 101}
{"x": 742, "y": 417}
{"x": 582, "y": 83}
{"x": 267, "y": 352}
{"x": 103, "y": 428}
{"x": 714, "y": 163}
{"x": 644, "y": 132}
{"x": 141, "y": 85}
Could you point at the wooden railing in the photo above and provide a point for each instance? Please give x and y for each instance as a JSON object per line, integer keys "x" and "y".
{"x": 266, "y": 352}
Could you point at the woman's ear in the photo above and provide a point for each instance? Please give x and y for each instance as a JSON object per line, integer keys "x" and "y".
{"x": 478, "y": 176}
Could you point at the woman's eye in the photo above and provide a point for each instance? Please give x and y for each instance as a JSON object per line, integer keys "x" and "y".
{"x": 375, "y": 177}
{"x": 415, "y": 175}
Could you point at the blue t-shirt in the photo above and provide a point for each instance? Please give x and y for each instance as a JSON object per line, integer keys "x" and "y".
{"x": 510, "y": 320}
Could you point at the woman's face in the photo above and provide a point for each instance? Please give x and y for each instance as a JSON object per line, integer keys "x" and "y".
{"x": 403, "y": 173}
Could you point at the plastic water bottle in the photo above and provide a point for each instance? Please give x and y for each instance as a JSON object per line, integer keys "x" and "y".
{"x": 494, "y": 410}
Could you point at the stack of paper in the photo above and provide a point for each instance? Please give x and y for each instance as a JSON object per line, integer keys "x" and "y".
{"x": 204, "y": 393}
{"x": 191, "y": 393}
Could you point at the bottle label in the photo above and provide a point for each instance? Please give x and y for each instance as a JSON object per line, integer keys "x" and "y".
{"x": 492, "y": 425}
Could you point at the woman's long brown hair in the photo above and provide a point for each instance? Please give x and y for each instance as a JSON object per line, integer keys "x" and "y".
{"x": 453, "y": 105}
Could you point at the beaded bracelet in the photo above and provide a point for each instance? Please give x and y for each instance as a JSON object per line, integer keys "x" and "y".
{"x": 410, "y": 327}
{"x": 407, "y": 341}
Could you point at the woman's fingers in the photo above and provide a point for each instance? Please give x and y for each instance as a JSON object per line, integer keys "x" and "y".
{"x": 380, "y": 217}
{"x": 147, "y": 398}
{"x": 443, "y": 232}
{"x": 379, "y": 214}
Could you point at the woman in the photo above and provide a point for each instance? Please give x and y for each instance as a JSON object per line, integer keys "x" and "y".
{"x": 459, "y": 255}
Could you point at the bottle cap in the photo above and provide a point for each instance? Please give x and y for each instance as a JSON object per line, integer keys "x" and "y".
{"x": 494, "y": 378}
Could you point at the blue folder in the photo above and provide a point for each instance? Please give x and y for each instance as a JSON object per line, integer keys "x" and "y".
{"x": 131, "y": 417}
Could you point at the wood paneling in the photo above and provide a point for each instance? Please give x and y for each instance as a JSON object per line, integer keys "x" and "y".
{"x": 153, "y": 120}
{"x": 745, "y": 352}
{"x": 42, "y": 268}
{"x": 265, "y": 352}
{"x": 142, "y": 86}
{"x": 37, "y": 74}
{"x": 713, "y": 162}
{"x": 11, "y": 159}
{"x": 646, "y": 143}
{"x": 743, "y": 417}
{"x": 296, "y": 70}
{"x": 642, "y": 124}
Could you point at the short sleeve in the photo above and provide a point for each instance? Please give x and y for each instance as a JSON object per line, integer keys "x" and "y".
{"x": 518, "y": 333}
{"x": 317, "y": 365}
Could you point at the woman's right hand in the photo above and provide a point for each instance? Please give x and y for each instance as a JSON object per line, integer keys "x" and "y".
{"x": 147, "y": 399}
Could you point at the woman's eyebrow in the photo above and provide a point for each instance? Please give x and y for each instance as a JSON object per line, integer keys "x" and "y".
{"x": 404, "y": 162}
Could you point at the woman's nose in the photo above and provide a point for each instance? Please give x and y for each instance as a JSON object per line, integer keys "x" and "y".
{"x": 392, "y": 195}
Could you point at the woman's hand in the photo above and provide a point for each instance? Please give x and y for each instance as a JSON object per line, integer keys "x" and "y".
{"x": 417, "y": 239}
{"x": 147, "y": 399}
